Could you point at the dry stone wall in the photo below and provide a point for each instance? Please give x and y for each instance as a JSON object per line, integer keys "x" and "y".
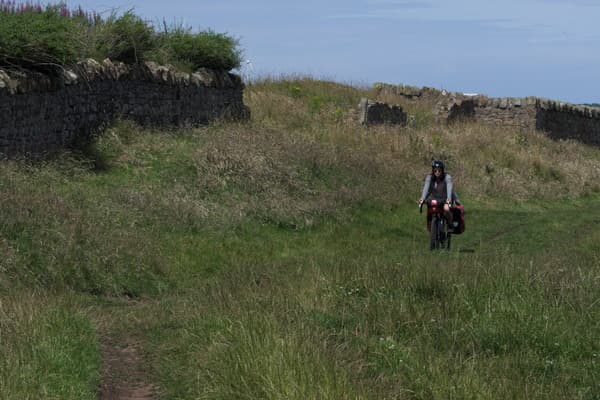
{"x": 558, "y": 119}
{"x": 568, "y": 121}
{"x": 511, "y": 112}
{"x": 40, "y": 114}
{"x": 373, "y": 112}
{"x": 410, "y": 92}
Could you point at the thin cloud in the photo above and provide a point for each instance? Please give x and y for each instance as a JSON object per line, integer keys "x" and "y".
{"x": 402, "y": 4}
{"x": 585, "y": 3}
{"x": 381, "y": 9}
{"x": 532, "y": 20}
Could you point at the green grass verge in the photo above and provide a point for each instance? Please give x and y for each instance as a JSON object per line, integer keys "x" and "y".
{"x": 49, "y": 350}
{"x": 285, "y": 258}
{"x": 382, "y": 317}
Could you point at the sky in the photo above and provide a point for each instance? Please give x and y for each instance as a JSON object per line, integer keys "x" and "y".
{"x": 507, "y": 48}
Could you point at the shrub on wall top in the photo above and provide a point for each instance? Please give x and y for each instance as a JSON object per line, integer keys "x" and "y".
{"x": 126, "y": 38}
{"x": 46, "y": 38}
{"x": 34, "y": 38}
{"x": 204, "y": 49}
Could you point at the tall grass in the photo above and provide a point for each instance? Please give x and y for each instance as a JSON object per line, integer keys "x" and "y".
{"x": 284, "y": 257}
{"x": 484, "y": 160}
{"x": 373, "y": 317}
{"x": 56, "y": 238}
{"x": 194, "y": 50}
{"x": 127, "y": 38}
{"x": 51, "y": 37}
{"x": 48, "y": 350}
{"x": 42, "y": 38}
{"x": 68, "y": 222}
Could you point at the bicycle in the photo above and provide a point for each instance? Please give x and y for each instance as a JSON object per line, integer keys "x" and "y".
{"x": 440, "y": 236}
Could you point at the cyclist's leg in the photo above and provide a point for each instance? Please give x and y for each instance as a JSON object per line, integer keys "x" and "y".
{"x": 448, "y": 214}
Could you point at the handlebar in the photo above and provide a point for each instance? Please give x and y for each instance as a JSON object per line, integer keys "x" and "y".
{"x": 431, "y": 203}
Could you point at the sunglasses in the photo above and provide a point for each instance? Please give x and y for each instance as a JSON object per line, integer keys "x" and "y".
{"x": 437, "y": 170}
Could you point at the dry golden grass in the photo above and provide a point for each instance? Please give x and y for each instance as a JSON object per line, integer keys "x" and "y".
{"x": 484, "y": 160}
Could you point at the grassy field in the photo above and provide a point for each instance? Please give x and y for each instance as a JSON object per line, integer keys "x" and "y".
{"x": 285, "y": 258}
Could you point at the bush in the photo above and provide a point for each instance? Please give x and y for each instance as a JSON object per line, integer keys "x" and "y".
{"x": 206, "y": 49}
{"x": 43, "y": 38}
{"x": 126, "y": 38}
{"x": 38, "y": 39}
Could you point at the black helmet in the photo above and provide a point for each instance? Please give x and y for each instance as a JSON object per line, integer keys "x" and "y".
{"x": 437, "y": 164}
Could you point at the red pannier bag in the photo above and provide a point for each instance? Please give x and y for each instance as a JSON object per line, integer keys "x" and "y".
{"x": 458, "y": 215}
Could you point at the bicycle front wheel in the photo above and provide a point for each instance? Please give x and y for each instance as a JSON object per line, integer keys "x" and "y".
{"x": 434, "y": 238}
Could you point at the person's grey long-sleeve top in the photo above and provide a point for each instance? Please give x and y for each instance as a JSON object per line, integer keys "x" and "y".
{"x": 448, "y": 180}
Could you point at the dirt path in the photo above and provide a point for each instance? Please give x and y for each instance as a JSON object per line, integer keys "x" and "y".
{"x": 123, "y": 373}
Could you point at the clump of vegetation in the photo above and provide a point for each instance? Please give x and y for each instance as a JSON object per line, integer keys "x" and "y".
{"x": 47, "y": 38}
{"x": 36, "y": 37}
{"x": 206, "y": 49}
{"x": 125, "y": 38}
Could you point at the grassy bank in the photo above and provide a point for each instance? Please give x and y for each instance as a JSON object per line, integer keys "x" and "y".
{"x": 285, "y": 258}
{"x": 47, "y": 38}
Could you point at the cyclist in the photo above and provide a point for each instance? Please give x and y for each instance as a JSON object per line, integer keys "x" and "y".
{"x": 438, "y": 186}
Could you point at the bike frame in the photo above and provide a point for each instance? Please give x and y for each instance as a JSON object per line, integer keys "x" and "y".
{"x": 439, "y": 235}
